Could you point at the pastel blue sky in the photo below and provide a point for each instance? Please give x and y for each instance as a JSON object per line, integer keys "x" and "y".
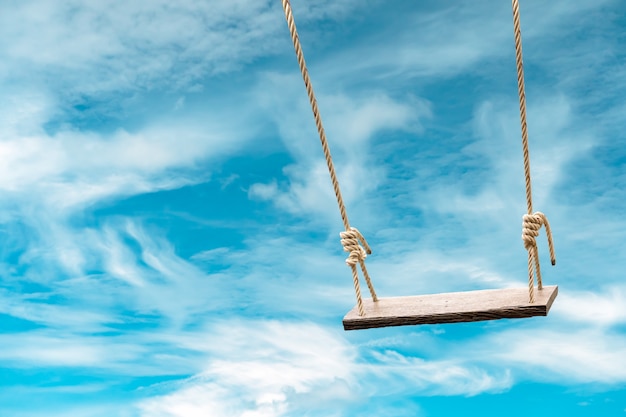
{"x": 169, "y": 236}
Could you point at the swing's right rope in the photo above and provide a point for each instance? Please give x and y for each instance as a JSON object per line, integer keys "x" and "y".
{"x": 531, "y": 222}
{"x": 351, "y": 239}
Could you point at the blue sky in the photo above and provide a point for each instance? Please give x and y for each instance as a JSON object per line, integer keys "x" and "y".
{"x": 169, "y": 236}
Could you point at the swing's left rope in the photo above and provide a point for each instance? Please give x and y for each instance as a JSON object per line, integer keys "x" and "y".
{"x": 351, "y": 239}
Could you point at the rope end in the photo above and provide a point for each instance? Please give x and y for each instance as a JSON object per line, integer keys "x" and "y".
{"x": 553, "y": 262}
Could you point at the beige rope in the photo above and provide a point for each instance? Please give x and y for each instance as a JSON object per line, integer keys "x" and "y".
{"x": 532, "y": 222}
{"x": 352, "y": 241}
{"x": 530, "y": 230}
{"x": 351, "y": 235}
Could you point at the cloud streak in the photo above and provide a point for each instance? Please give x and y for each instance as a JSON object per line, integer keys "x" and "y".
{"x": 285, "y": 369}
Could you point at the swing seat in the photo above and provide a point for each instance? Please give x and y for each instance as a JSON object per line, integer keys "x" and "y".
{"x": 454, "y": 307}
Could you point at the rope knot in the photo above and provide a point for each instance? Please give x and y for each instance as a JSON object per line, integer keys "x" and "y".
{"x": 531, "y": 223}
{"x": 353, "y": 241}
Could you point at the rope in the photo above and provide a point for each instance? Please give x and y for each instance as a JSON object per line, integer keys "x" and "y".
{"x": 352, "y": 241}
{"x": 351, "y": 235}
{"x": 532, "y": 222}
{"x": 530, "y": 230}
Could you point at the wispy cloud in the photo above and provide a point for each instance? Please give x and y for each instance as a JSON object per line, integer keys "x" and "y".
{"x": 134, "y": 46}
{"x": 109, "y": 101}
{"x": 284, "y": 369}
{"x": 350, "y": 122}
{"x": 599, "y": 308}
{"x": 585, "y": 356}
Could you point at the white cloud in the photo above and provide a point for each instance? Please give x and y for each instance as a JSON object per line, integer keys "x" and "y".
{"x": 139, "y": 46}
{"x": 123, "y": 51}
{"x": 136, "y": 274}
{"x": 257, "y": 369}
{"x": 71, "y": 168}
{"x": 49, "y": 348}
{"x": 436, "y": 377}
{"x": 73, "y": 410}
{"x": 33, "y": 307}
{"x": 498, "y": 150}
{"x": 350, "y": 124}
{"x": 263, "y": 191}
{"x": 150, "y": 274}
{"x": 284, "y": 368}
{"x": 477, "y": 40}
{"x": 577, "y": 356}
{"x": 597, "y": 308}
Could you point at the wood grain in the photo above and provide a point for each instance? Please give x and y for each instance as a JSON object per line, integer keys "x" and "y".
{"x": 456, "y": 307}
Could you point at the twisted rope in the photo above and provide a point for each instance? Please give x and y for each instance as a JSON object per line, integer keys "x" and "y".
{"x": 532, "y": 222}
{"x": 351, "y": 234}
{"x": 352, "y": 241}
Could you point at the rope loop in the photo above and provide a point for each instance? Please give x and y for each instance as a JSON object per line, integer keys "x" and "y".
{"x": 353, "y": 241}
{"x": 531, "y": 223}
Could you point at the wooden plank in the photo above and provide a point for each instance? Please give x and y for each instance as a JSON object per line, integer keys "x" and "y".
{"x": 456, "y": 307}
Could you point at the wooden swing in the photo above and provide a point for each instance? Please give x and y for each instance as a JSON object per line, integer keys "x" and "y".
{"x": 448, "y": 307}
